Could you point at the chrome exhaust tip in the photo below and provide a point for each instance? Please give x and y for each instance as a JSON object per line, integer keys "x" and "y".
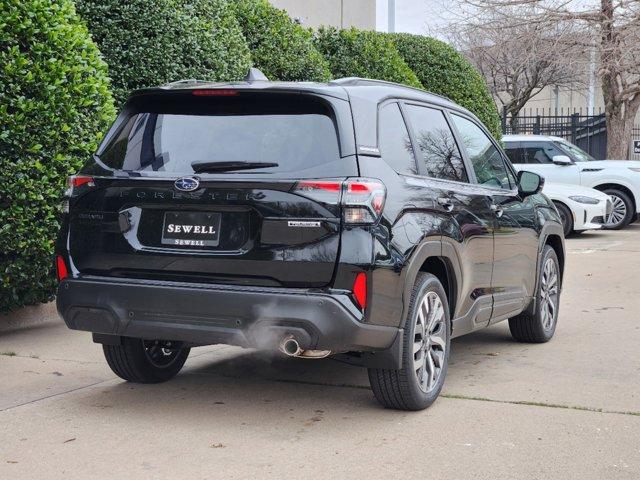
{"x": 290, "y": 347}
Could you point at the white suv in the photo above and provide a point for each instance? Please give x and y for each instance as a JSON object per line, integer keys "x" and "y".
{"x": 560, "y": 161}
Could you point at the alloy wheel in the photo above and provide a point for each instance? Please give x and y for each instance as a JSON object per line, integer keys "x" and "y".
{"x": 618, "y": 213}
{"x": 430, "y": 342}
{"x": 160, "y": 353}
{"x": 549, "y": 294}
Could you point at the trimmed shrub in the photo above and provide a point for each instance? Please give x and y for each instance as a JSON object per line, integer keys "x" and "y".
{"x": 147, "y": 43}
{"x": 280, "y": 48}
{"x": 443, "y": 70}
{"x": 55, "y": 106}
{"x": 357, "y": 53}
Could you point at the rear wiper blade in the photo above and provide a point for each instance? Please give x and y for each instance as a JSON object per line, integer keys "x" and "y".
{"x": 203, "y": 167}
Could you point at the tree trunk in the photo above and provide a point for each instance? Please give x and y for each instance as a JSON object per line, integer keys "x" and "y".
{"x": 619, "y": 130}
{"x": 620, "y": 110}
{"x": 513, "y": 111}
{"x": 620, "y": 115}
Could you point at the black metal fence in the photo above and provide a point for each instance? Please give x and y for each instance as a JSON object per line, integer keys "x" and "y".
{"x": 587, "y": 131}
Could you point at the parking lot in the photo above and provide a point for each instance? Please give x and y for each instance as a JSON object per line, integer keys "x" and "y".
{"x": 566, "y": 409}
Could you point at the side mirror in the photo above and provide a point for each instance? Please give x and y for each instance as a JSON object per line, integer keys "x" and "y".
{"x": 562, "y": 160}
{"x": 529, "y": 183}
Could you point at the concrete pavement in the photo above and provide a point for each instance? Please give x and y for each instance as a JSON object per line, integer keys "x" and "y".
{"x": 567, "y": 409}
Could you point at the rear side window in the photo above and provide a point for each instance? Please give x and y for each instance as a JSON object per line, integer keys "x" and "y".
{"x": 440, "y": 154}
{"x": 300, "y": 137}
{"x": 395, "y": 145}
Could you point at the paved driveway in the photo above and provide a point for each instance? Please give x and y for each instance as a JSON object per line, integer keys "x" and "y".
{"x": 567, "y": 409}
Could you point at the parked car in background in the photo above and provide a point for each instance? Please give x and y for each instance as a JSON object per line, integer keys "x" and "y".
{"x": 560, "y": 161}
{"x": 580, "y": 208}
{"x": 358, "y": 217}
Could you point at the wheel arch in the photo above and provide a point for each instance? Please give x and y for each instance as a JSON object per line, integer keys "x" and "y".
{"x": 432, "y": 257}
{"x": 442, "y": 269}
{"x": 555, "y": 242}
{"x": 553, "y": 236}
{"x": 617, "y": 186}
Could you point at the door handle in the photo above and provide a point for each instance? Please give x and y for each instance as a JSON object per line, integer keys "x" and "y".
{"x": 446, "y": 203}
{"x": 497, "y": 209}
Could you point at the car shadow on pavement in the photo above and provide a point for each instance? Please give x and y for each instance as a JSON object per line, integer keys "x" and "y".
{"x": 241, "y": 377}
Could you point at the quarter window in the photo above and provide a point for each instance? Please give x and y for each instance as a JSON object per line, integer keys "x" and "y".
{"x": 395, "y": 145}
{"x": 438, "y": 148}
{"x": 488, "y": 163}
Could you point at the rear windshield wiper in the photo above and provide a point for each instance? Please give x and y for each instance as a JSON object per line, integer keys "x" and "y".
{"x": 203, "y": 167}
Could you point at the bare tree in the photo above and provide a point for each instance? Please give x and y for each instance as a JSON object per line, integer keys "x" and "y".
{"x": 610, "y": 28}
{"x": 519, "y": 60}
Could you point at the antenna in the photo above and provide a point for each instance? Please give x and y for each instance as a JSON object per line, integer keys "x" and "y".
{"x": 255, "y": 75}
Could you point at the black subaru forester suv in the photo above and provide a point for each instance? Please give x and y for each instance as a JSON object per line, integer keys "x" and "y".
{"x": 357, "y": 218}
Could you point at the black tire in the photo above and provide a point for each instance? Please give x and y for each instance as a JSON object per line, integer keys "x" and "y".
{"x": 133, "y": 360}
{"x": 401, "y": 389}
{"x": 533, "y": 328}
{"x": 566, "y": 216}
{"x": 628, "y": 203}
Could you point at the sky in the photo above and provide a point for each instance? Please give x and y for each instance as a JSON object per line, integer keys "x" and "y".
{"x": 414, "y": 16}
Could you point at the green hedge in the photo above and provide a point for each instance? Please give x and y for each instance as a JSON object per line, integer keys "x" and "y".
{"x": 55, "y": 105}
{"x": 280, "y": 48}
{"x": 357, "y": 53}
{"x": 151, "y": 43}
{"x": 443, "y": 70}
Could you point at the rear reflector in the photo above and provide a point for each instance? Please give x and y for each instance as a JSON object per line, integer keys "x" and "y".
{"x": 61, "y": 268}
{"x": 359, "y": 290}
{"x": 215, "y": 92}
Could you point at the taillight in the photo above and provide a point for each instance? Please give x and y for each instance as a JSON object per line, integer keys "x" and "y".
{"x": 76, "y": 185}
{"x": 61, "y": 268}
{"x": 359, "y": 290}
{"x": 362, "y": 198}
{"x": 80, "y": 180}
{"x": 324, "y": 191}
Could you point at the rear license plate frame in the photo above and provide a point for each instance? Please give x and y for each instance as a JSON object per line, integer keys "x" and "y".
{"x": 203, "y": 229}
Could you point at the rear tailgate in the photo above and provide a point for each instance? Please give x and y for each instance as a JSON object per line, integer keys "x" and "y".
{"x": 254, "y": 233}
{"x": 251, "y": 227}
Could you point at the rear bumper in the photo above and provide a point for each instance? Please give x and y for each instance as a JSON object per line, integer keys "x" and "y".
{"x": 211, "y": 314}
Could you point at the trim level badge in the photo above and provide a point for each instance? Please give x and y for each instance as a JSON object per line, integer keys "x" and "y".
{"x": 298, "y": 223}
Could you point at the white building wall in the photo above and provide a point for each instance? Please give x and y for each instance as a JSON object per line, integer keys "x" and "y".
{"x": 336, "y": 13}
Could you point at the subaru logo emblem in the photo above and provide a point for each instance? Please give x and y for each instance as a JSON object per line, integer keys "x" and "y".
{"x": 187, "y": 184}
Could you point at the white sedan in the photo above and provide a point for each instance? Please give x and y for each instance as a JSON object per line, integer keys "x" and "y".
{"x": 580, "y": 208}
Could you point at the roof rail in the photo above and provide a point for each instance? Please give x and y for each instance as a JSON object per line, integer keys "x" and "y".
{"x": 370, "y": 82}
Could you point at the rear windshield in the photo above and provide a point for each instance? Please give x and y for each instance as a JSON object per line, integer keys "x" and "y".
{"x": 299, "y": 136}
